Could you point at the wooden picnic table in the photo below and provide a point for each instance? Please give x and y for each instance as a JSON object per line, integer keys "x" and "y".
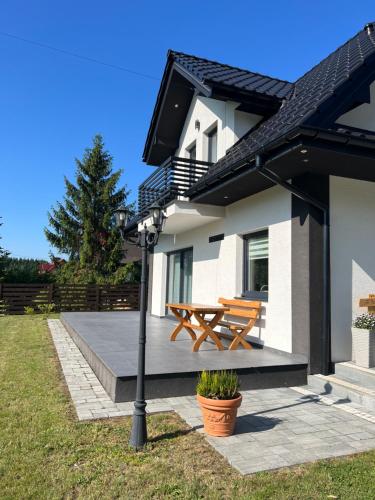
{"x": 184, "y": 313}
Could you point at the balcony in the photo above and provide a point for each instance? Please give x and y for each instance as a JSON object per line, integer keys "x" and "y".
{"x": 170, "y": 181}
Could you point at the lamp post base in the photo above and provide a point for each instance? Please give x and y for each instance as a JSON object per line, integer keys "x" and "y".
{"x": 138, "y": 436}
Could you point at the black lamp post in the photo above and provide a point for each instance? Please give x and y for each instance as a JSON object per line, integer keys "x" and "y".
{"x": 147, "y": 238}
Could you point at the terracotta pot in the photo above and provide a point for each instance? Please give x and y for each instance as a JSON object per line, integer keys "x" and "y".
{"x": 219, "y": 415}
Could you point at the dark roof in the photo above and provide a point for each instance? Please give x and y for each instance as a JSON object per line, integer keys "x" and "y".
{"x": 214, "y": 72}
{"x": 308, "y": 102}
{"x": 183, "y": 76}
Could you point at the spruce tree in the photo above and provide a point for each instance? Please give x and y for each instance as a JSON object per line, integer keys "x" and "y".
{"x": 3, "y": 258}
{"x": 82, "y": 225}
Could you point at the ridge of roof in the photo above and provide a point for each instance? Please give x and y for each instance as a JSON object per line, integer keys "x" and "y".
{"x": 218, "y": 74}
{"x": 173, "y": 53}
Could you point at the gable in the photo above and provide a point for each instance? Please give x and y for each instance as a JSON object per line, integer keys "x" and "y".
{"x": 206, "y": 113}
{"x": 188, "y": 76}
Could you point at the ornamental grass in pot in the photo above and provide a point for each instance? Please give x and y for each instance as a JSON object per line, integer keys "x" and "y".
{"x": 219, "y": 399}
{"x": 363, "y": 340}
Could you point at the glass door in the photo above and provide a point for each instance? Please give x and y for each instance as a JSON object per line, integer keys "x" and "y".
{"x": 180, "y": 272}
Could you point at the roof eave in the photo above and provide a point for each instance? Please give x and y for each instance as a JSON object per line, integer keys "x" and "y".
{"x": 171, "y": 66}
{"x": 300, "y": 136}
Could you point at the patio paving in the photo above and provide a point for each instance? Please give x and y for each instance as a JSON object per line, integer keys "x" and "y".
{"x": 109, "y": 341}
{"x": 275, "y": 427}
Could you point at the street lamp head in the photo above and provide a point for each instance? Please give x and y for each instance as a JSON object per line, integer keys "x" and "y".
{"x": 121, "y": 216}
{"x": 157, "y": 217}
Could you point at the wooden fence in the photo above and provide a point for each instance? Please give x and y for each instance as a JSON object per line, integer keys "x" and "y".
{"x": 70, "y": 297}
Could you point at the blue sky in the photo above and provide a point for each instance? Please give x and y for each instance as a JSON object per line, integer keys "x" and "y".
{"x": 52, "y": 103}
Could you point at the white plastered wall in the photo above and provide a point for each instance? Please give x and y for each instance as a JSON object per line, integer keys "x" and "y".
{"x": 231, "y": 126}
{"x": 352, "y": 205}
{"x": 362, "y": 116}
{"x": 218, "y": 267}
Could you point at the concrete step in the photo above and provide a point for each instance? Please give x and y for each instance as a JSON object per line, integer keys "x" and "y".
{"x": 356, "y": 374}
{"x": 342, "y": 389}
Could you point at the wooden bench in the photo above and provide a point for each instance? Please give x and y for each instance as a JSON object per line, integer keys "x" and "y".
{"x": 241, "y": 309}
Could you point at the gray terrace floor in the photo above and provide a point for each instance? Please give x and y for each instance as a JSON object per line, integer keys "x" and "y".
{"x": 113, "y": 336}
{"x": 275, "y": 427}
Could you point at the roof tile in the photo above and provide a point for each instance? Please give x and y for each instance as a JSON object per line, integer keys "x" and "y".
{"x": 301, "y": 99}
{"x": 212, "y": 71}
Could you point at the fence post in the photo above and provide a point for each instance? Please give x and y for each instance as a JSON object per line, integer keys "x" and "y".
{"x": 97, "y": 302}
{"x": 50, "y": 293}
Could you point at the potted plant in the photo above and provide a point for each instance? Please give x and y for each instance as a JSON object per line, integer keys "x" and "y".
{"x": 219, "y": 399}
{"x": 363, "y": 340}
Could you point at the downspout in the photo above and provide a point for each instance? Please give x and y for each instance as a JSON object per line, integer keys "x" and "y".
{"x": 326, "y": 327}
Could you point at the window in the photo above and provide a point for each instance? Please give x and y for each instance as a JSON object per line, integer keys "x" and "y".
{"x": 179, "y": 276}
{"x": 256, "y": 265}
{"x": 212, "y": 145}
{"x": 192, "y": 151}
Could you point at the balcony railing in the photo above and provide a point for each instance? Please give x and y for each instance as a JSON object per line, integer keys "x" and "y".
{"x": 172, "y": 179}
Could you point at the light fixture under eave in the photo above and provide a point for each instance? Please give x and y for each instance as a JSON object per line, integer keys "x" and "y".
{"x": 303, "y": 151}
{"x": 176, "y": 105}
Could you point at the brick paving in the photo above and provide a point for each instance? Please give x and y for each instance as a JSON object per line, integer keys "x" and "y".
{"x": 275, "y": 427}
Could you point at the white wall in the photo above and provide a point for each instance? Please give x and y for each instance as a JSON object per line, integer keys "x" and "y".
{"x": 362, "y": 116}
{"x": 352, "y": 256}
{"x": 231, "y": 125}
{"x": 243, "y": 122}
{"x": 217, "y": 267}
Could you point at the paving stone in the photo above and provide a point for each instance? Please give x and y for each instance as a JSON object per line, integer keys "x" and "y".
{"x": 276, "y": 427}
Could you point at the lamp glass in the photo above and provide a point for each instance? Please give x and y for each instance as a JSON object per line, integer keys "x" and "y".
{"x": 121, "y": 216}
{"x": 155, "y": 212}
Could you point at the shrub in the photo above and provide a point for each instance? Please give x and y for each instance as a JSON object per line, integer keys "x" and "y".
{"x": 46, "y": 309}
{"x": 73, "y": 273}
{"x": 218, "y": 385}
{"x": 25, "y": 271}
{"x": 29, "y": 310}
{"x": 3, "y": 308}
{"x": 365, "y": 321}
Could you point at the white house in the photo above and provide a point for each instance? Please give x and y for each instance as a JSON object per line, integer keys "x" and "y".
{"x": 269, "y": 190}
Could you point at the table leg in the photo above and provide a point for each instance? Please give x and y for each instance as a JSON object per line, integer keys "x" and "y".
{"x": 182, "y": 324}
{"x": 208, "y": 331}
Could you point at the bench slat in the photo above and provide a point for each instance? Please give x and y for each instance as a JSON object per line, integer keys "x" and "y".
{"x": 242, "y": 313}
{"x": 255, "y": 304}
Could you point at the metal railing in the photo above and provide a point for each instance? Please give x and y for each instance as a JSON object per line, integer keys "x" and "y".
{"x": 172, "y": 179}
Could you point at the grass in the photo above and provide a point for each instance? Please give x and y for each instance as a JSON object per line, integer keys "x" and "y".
{"x": 46, "y": 453}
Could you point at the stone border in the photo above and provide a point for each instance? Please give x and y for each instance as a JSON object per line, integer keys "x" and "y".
{"x": 275, "y": 428}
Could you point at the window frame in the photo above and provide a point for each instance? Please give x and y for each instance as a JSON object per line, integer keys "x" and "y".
{"x": 190, "y": 148}
{"x": 168, "y": 254}
{"x": 252, "y": 294}
{"x": 212, "y": 130}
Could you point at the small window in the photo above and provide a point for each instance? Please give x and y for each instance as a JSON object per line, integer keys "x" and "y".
{"x": 192, "y": 151}
{"x": 212, "y": 145}
{"x": 256, "y": 264}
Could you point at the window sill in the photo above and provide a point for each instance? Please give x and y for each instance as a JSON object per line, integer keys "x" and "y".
{"x": 263, "y": 296}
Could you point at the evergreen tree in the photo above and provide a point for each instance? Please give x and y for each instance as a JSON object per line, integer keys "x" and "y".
{"x": 82, "y": 226}
{"x": 3, "y": 258}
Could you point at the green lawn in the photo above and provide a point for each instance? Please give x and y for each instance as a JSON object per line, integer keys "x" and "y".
{"x": 46, "y": 453}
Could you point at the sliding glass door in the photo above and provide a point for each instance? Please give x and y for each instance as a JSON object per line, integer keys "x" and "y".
{"x": 180, "y": 271}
